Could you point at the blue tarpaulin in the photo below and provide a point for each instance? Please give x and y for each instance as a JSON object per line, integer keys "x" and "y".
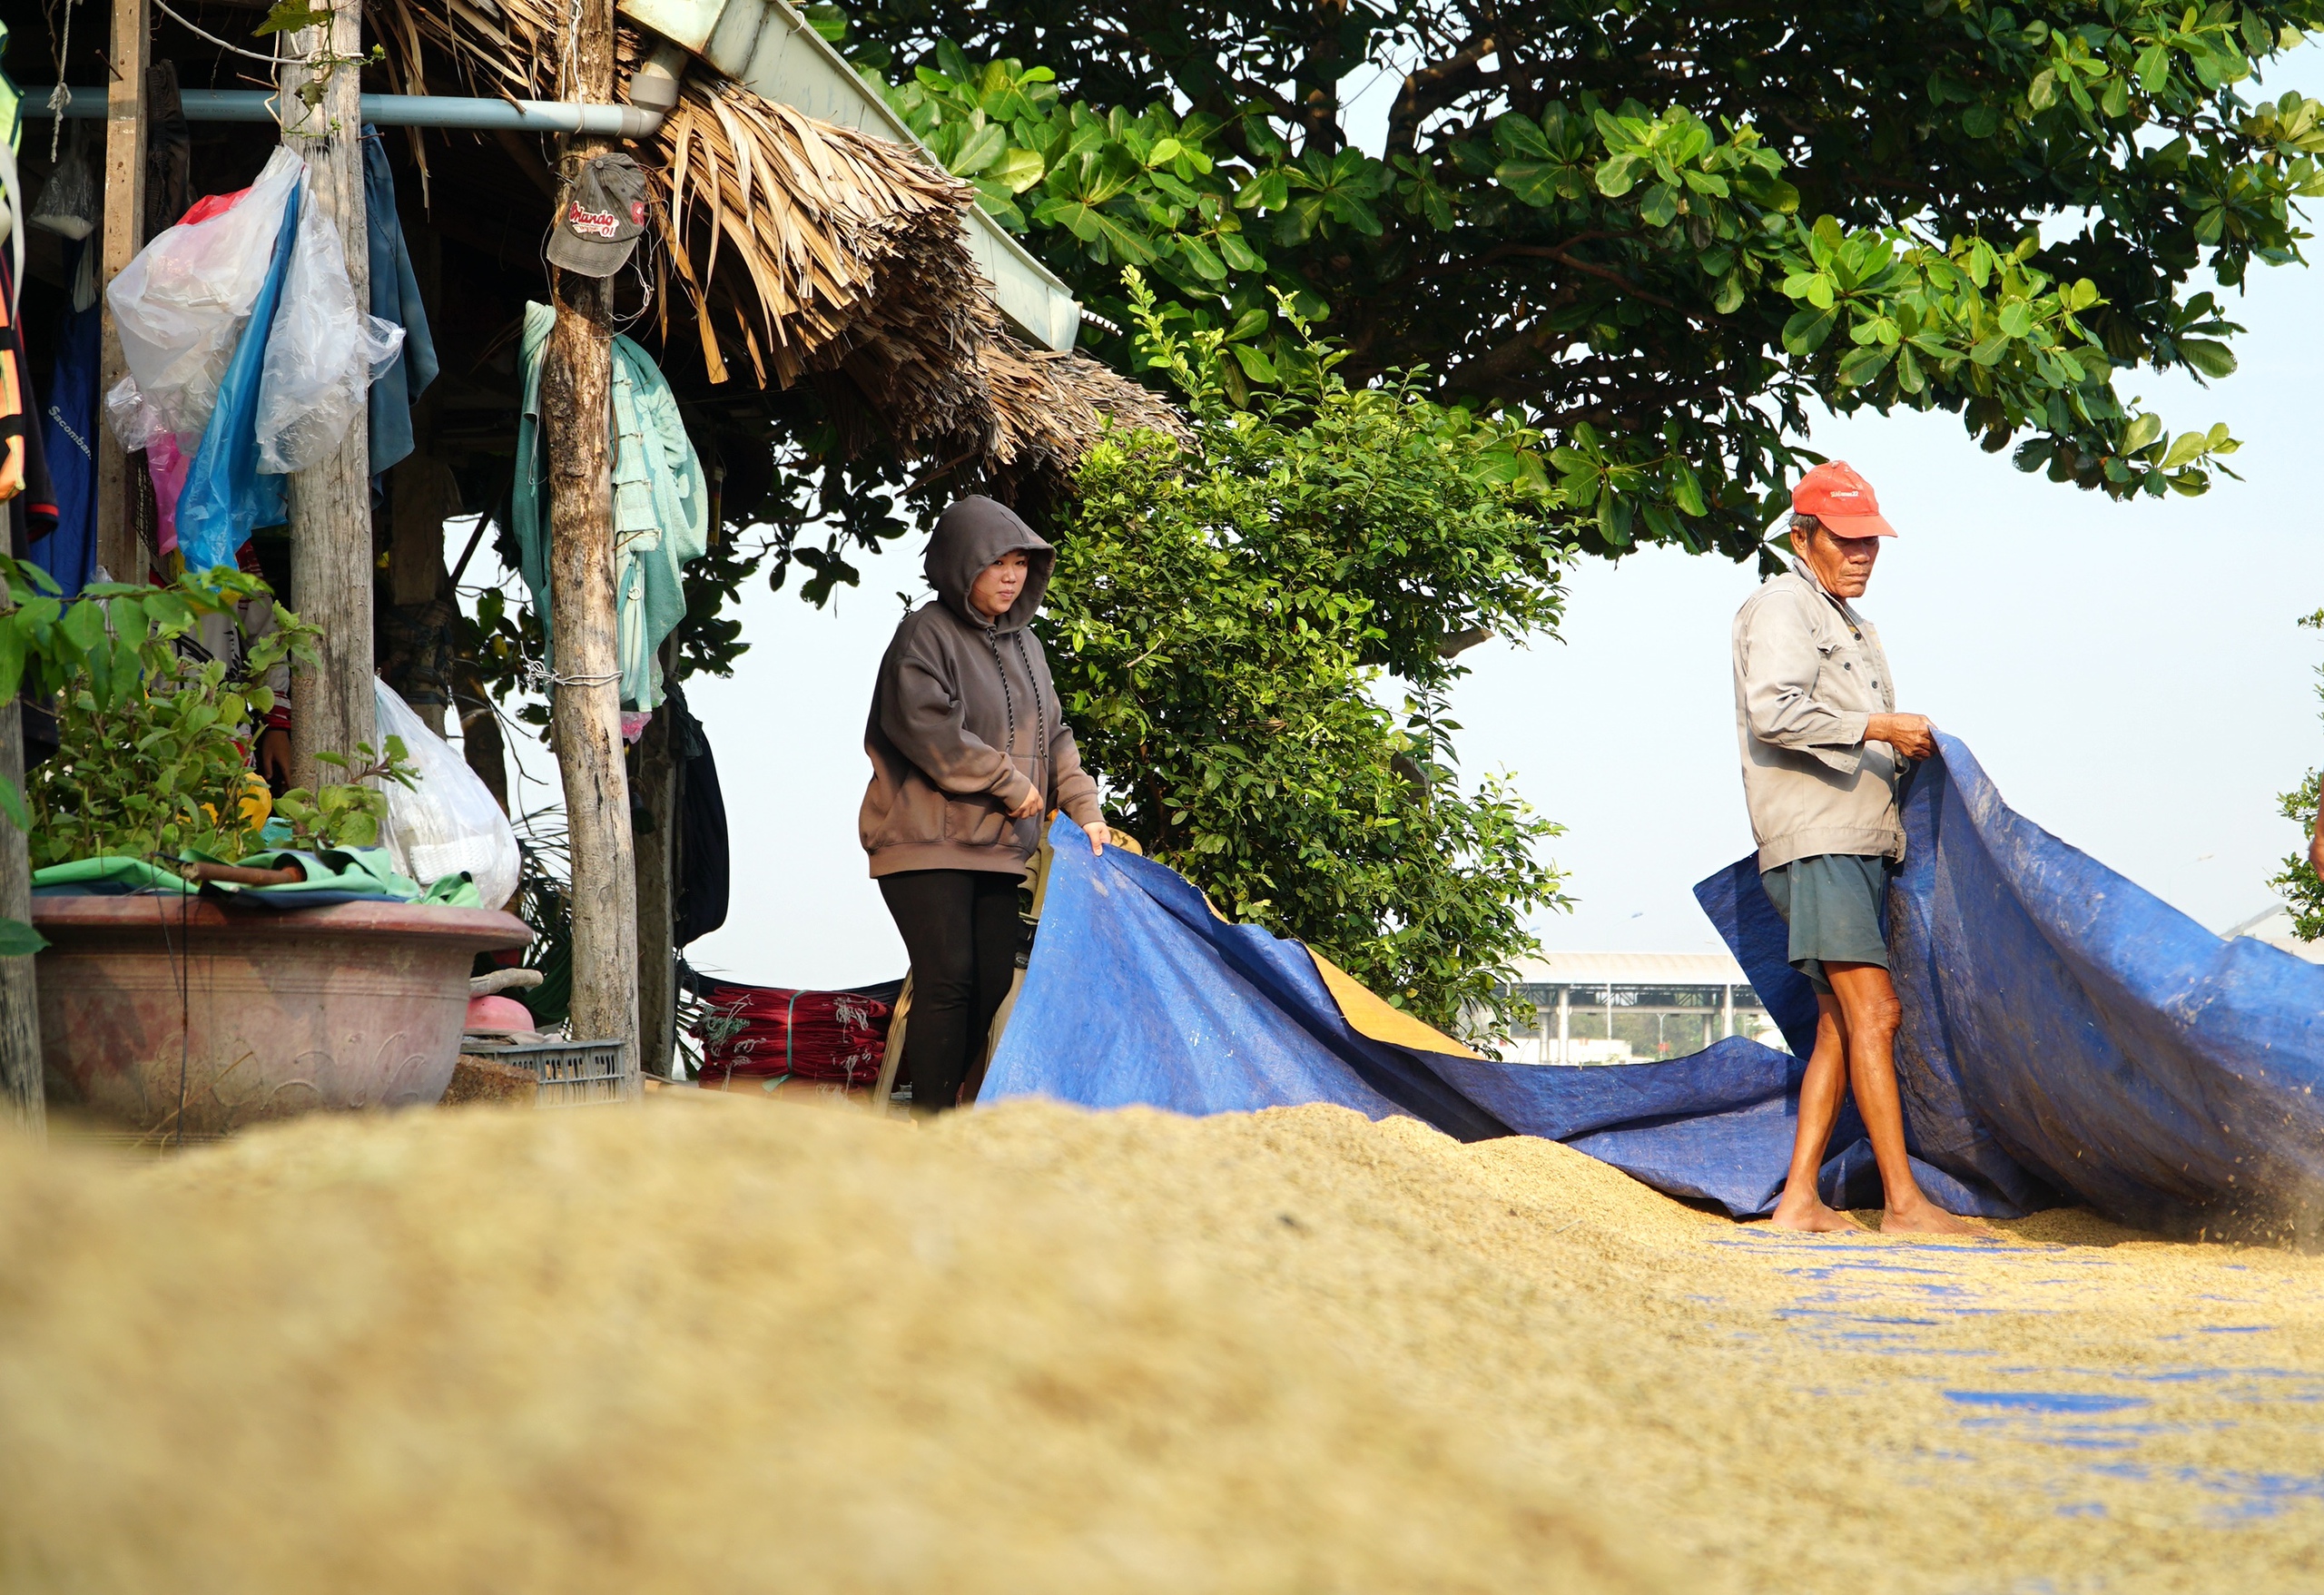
{"x": 2067, "y": 1037}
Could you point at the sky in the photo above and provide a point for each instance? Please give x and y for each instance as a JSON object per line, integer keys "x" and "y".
{"x": 2131, "y": 676}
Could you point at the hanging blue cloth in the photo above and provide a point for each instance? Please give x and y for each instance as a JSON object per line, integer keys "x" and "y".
{"x": 69, "y": 427}
{"x": 395, "y": 297}
{"x": 225, "y": 496}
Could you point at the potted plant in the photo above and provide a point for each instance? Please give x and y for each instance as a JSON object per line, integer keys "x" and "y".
{"x": 170, "y": 1008}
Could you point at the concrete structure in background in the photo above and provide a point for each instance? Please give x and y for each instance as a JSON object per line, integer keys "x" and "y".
{"x": 2274, "y": 927}
{"x": 1635, "y": 1007}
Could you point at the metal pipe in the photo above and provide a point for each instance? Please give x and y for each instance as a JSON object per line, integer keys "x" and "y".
{"x": 628, "y": 122}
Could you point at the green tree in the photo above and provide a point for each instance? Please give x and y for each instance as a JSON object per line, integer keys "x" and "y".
{"x": 2302, "y": 890}
{"x": 1661, "y": 231}
{"x": 1222, "y": 615}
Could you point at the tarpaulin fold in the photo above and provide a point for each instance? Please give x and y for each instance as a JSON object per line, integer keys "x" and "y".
{"x": 2067, "y": 1036}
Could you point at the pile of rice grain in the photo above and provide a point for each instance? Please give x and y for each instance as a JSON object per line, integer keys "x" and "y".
{"x": 726, "y": 1345}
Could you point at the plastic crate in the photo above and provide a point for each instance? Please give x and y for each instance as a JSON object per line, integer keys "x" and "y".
{"x": 572, "y": 1074}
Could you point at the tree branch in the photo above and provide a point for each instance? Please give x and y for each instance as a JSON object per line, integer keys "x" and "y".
{"x": 1415, "y": 101}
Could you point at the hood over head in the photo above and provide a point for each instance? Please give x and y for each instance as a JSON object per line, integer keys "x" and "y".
{"x": 973, "y": 533}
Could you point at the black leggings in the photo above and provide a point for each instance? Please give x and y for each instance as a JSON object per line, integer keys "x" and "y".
{"x": 960, "y": 928}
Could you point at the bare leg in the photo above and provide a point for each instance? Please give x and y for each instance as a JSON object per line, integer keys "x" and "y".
{"x": 1821, "y": 1092}
{"x": 1870, "y": 1012}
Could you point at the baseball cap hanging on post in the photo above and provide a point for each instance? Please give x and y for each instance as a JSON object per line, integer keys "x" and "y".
{"x": 599, "y": 214}
{"x": 1835, "y": 494}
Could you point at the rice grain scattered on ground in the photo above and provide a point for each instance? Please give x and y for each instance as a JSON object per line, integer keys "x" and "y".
{"x": 726, "y": 1344}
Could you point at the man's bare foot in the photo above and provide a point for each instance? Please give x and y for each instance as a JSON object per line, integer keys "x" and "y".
{"x": 1924, "y": 1217}
{"x": 1811, "y": 1216}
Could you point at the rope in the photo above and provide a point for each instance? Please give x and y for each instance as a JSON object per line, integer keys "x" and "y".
{"x": 60, "y": 96}
{"x": 538, "y": 676}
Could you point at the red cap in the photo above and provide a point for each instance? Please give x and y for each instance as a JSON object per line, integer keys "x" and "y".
{"x": 1841, "y": 500}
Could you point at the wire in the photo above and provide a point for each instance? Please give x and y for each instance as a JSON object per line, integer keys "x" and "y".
{"x": 275, "y": 60}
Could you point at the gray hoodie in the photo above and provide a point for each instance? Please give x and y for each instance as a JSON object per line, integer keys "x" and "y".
{"x": 965, "y": 721}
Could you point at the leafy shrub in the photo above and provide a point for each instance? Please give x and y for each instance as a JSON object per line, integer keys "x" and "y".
{"x": 1222, "y": 615}
{"x": 153, "y": 747}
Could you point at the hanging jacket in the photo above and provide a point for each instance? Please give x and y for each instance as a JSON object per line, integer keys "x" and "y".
{"x": 661, "y": 505}
{"x": 965, "y": 719}
{"x": 69, "y": 431}
{"x": 395, "y": 297}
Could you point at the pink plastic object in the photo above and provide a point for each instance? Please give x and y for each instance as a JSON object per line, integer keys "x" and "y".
{"x": 249, "y": 1014}
{"x": 498, "y": 1013}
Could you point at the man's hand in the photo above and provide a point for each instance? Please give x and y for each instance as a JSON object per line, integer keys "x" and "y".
{"x": 272, "y": 757}
{"x": 1029, "y": 807}
{"x": 1910, "y": 735}
{"x": 1100, "y": 835}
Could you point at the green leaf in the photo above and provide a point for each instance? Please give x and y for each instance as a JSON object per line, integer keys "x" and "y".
{"x": 18, "y": 940}
{"x": 1018, "y": 169}
{"x": 1093, "y": 226}
{"x": 2017, "y": 319}
{"x": 1805, "y": 333}
{"x": 12, "y": 804}
{"x": 291, "y": 16}
{"x": 1255, "y": 365}
{"x": 2143, "y": 430}
{"x": 85, "y": 624}
{"x": 2208, "y": 356}
{"x": 2187, "y": 446}
{"x": 2154, "y": 67}
{"x": 1618, "y": 176}
{"x": 1520, "y": 135}
{"x": 979, "y": 148}
{"x": 2042, "y": 92}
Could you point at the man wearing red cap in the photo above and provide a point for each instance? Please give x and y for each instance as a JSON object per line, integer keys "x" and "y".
{"x": 1823, "y": 747}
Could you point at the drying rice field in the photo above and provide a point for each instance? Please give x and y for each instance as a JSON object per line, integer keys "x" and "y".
{"x": 719, "y": 1345}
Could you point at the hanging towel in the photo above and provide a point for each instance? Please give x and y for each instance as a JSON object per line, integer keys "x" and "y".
{"x": 661, "y": 505}
{"x": 225, "y": 496}
{"x": 395, "y": 297}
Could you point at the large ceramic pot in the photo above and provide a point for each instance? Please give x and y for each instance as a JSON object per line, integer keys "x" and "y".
{"x": 177, "y": 1016}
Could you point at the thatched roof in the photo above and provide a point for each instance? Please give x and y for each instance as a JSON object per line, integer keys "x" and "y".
{"x": 810, "y": 253}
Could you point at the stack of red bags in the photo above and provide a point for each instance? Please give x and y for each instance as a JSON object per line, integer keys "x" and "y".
{"x": 767, "y": 1032}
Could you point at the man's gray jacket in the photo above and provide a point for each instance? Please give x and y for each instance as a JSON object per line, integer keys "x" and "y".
{"x": 1808, "y": 673}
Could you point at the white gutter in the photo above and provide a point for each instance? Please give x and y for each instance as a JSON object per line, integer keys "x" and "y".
{"x": 773, "y": 50}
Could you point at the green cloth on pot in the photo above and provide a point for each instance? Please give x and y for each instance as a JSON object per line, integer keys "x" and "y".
{"x": 358, "y": 874}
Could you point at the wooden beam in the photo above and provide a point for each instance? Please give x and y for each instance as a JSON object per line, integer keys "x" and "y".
{"x": 577, "y": 411}
{"x": 23, "y": 1096}
{"x": 332, "y": 707}
{"x": 120, "y": 548}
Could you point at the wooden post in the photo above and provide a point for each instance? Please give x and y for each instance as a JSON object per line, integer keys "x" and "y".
{"x": 576, "y": 409}
{"x": 655, "y": 805}
{"x": 120, "y": 549}
{"x": 331, "y": 706}
{"x": 23, "y": 1101}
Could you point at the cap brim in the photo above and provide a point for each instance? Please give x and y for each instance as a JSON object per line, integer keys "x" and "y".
{"x": 1858, "y": 525}
{"x": 588, "y": 256}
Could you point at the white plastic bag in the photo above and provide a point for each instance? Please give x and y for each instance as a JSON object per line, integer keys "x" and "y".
{"x": 181, "y": 303}
{"x": 322, "y": 353}
{"x": 135, "y": 422}
{"x": 68, "y": 204}
{"x": 449, "y": 823}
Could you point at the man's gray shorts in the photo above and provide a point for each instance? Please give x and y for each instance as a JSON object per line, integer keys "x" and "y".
{"x": 1835, "y": 904}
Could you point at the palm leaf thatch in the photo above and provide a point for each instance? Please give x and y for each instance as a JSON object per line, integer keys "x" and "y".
{"x": 812, "y": 252}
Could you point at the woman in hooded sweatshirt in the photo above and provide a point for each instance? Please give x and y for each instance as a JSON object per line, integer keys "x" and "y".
{"x": 969, "y": 750}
